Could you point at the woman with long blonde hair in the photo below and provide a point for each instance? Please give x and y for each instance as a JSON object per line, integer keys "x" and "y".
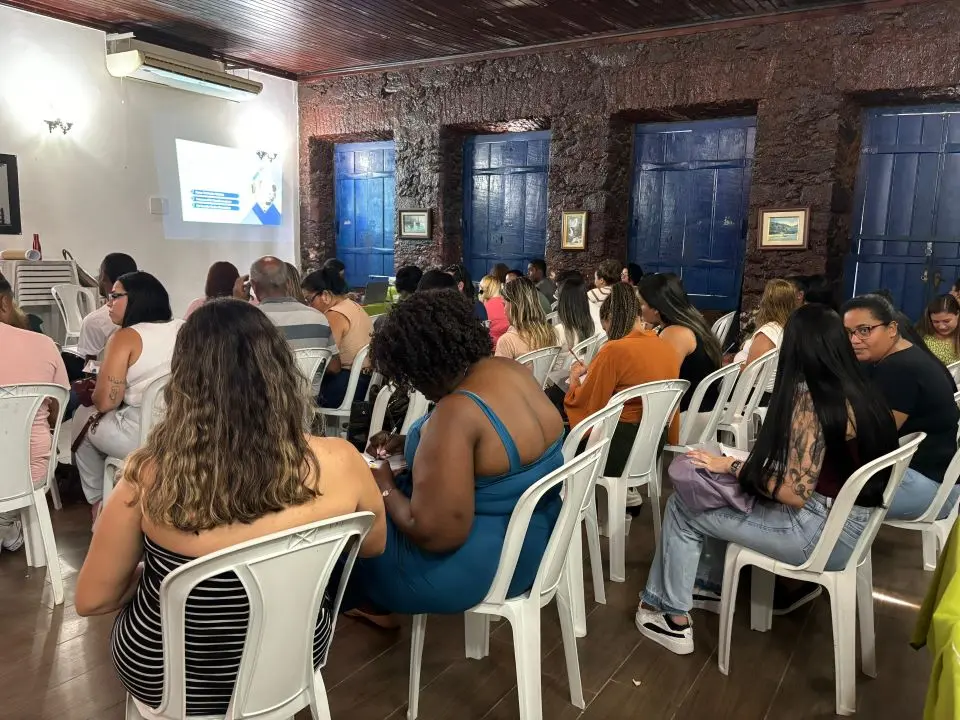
{"x": 490, "y": 296}
{"x": 778, "y": 302}
{"x": 228, "y": 463}
{"x": 529, "y": 329}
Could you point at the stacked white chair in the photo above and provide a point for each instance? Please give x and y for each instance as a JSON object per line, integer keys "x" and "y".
{"x": 722, "y": 326}
{"x": 600, "y": 426}
{"x": 850, "y": 589}
{"x": 577, "y": 479}
{"x": 660, "y": 402}
{"x": 341, "y": 414}
{"x": 19, "y": 405}
{"x": 935, "y": 532}
{"x": 276, "y": 678}
{"x": 540, "y": 362}
{"x": 737, "y": 418}
{"x": 151, "y": 412}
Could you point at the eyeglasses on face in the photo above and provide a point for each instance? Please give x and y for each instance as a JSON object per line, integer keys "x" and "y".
{"x": 115, "y": 296}
{"x": 863, "y": 331}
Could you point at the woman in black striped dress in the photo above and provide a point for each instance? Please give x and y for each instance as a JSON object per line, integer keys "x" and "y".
{"x": 228, "y": 463}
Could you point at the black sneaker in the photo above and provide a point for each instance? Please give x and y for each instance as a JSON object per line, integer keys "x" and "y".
{"x": 785, "y": 601}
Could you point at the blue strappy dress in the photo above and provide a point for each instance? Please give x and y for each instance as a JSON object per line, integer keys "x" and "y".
{"x": 407, "y": 579}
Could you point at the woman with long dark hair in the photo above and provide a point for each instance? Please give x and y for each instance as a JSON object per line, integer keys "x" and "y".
{"x": 221, "y": 279}
{"x": 464, "y": 280}
{"x": 823, "y": 424}
{"x": 664, "y": 304}
{"x": 136, "y": 355}
{"x": 573, "y": 311}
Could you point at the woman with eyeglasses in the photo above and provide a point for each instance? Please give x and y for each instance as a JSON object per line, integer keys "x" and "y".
{"x": 136, "y": 355}
{"x": 919, "y": 391}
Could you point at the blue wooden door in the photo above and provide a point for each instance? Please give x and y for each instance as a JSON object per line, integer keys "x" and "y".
{"x": 365, "y": 190}
{"x": 505, "y": 200}
{"x": 690, "y": 197}
{"x": 906, "y": 229}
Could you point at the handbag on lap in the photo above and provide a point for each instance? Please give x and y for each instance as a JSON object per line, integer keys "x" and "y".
{"x": 701, "y": 490}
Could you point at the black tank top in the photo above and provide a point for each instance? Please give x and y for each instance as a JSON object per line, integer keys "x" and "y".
{"x": 695, "y": 367}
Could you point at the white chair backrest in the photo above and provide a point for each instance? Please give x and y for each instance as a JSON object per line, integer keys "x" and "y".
{"x": 950, "y": 478}
{"x": 956, "y": 399}
{"x": 578, "y": 478}
{"x": 750, "y": 386}
{"x": 540, "y": 362}
{"x": 416, "y": 409}
{"x": 727, "y": 377}
{"x": 276, "y": 669}
{"x": 19, "y": 405}
{"x": 74, "y": 304}
{"x": 553, "y": 318}
{"x": 586, "y": 350}
{"x": 153, "y": 408}
{"x": 898, "y": 461}
{"x": 417, "y": 405}
{"x": 312, "y": 362}
{"x": 954, "y": 369}
{"x": 722, "y": 326}
{"x": 660, "y": 401}
{"x": 355, "y": 370}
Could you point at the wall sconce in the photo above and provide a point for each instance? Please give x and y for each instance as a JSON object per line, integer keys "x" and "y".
{"x": 58, "y": 123}
{"x": 269, "y": 156}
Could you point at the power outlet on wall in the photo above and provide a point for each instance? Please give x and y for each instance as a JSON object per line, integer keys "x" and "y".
{"x": 159, "y": 206}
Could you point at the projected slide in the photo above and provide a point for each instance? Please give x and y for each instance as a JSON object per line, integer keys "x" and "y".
{"x": 227, "y": 185}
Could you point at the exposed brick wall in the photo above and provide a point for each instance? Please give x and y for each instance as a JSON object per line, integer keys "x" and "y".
{"x": 807, "y": 81}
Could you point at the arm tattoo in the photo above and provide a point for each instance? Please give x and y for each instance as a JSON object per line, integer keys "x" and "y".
{"x": 116, "y": 386}
{"x": 807, "y": 449}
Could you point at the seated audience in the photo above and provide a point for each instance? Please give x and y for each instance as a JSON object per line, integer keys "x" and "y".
{"x": 633, "y": 355}
{"x": 631, "y": 274}
{"x": 940, "y": 329}
{"x": 437, "y": 280}
{"x": 97, "y": 327}
{"x": 820, "y": 290}
{"x": 800, "y": 283}
{"x": 337, "y": 266}
{"x": 464, "y": 282}
{"x": 573, "y": 312}
{"x": 918, "y": 390}
{"x": 513, "y": 275}
{"x": 955, "y": 290}
{"x": 606, "y": 276}
{"x": 326, "y": 291}
{"x": 136, "y": 355}
{"x": 408, "y": 277}
{"x": 221, "y": 279}
{"x": 492, "y": 435}
{"x": 490, "y": 289}
{"x": 823, "y": 424}
{"x": 664, "y": 304}
{"x": 529, "y": 329}
{"x": 294, "y": 288}
{"x": 499, "y": 271}
{"x": 537, "y": 273}
{"x": 778, "y": 301}
{"x": 185, "y": 495}
{"x": 28, "y": 358}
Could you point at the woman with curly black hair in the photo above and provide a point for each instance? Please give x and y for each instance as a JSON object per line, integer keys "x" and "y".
{"x": 492, "y": 435}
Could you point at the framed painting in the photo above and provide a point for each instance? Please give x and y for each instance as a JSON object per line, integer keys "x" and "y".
{"x": 574, "y": 231}
{"x": 784, "y": 228}
{"x": 415, "y": 224}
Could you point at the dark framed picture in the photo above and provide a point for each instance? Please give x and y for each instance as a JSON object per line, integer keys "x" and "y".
{"x": 784, "y": 228}
{"x": 415, "y": 224}
{"x": 9, "y": 196}
{"x": 574, "y": 231}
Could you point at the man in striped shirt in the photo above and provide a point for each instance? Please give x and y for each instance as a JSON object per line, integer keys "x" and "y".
{"x": 301, "y": 325}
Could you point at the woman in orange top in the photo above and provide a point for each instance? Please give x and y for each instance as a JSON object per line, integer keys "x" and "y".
{"x": 633, "y": 355}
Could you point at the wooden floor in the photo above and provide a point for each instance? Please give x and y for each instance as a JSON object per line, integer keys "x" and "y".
{"x": 54, "y": 664}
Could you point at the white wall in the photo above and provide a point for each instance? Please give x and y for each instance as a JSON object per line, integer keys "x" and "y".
{"x": 88, "y": 191}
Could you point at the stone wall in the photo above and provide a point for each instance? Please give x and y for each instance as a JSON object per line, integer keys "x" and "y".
{"x": 807, "y": 81}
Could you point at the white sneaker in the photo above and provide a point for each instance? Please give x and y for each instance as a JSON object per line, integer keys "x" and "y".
{"x": 706, "y": 600}
{"x": 654, "y": 626}
{"x": 11, "y": 538}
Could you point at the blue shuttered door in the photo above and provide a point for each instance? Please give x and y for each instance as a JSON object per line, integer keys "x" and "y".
{"x": 365, "y": 190}
{"x": 691, "y": 186}
{"x": 505, "y": 200}
{"x": 906, "y": 229}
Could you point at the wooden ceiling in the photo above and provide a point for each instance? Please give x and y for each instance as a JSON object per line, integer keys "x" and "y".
{"x": 298, "y": 38}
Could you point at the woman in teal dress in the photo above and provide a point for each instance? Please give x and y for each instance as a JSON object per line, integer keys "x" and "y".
{"x": 491, "y": 436}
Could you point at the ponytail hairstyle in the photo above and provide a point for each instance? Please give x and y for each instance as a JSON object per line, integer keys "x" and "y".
{"x": 620, "y": 309}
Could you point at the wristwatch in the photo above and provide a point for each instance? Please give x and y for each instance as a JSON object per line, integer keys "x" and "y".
{"x": 735, "y": 467}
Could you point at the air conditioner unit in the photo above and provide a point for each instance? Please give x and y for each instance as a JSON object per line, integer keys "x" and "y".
{"x": 127, "y": 57}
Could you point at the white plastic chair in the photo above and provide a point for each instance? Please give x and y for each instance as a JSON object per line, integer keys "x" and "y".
{"x": 722, "y": 326}
{"x": 699, "y": 427}
{"x": 660, "y": 401}
{"x": 585, "y": 351}
{"x": 737, "y": 418}
{"x": 578, "y": 479}
{"x": 152, "y": 411}
{"x": 312, "y": 363}
{"x": 954, "y": 369}
{"x": 341, "y": 414}
{"x": 74, "y": 304}
{"x": 553, "y": 318}
{"x": 850, "y": 589}
{"x": 19, "y": 405}
{"x": 540, "y": 362}
{"x": 934, "y": 532}
{"x": 600, "y": 426}
{"x": 276, "y": 676}
{"x": 417, "y": 406}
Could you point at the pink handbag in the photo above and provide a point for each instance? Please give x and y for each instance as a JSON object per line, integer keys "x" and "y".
{"x": 702, "y": 490}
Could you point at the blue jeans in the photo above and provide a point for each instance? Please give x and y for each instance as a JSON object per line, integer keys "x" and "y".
{"x": 915, "y": 495}
{"x": 693, "y": 545}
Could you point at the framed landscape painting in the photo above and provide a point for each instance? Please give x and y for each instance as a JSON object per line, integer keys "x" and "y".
{"x": 784, "y": 228}
{"x": 415, "y": 224}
